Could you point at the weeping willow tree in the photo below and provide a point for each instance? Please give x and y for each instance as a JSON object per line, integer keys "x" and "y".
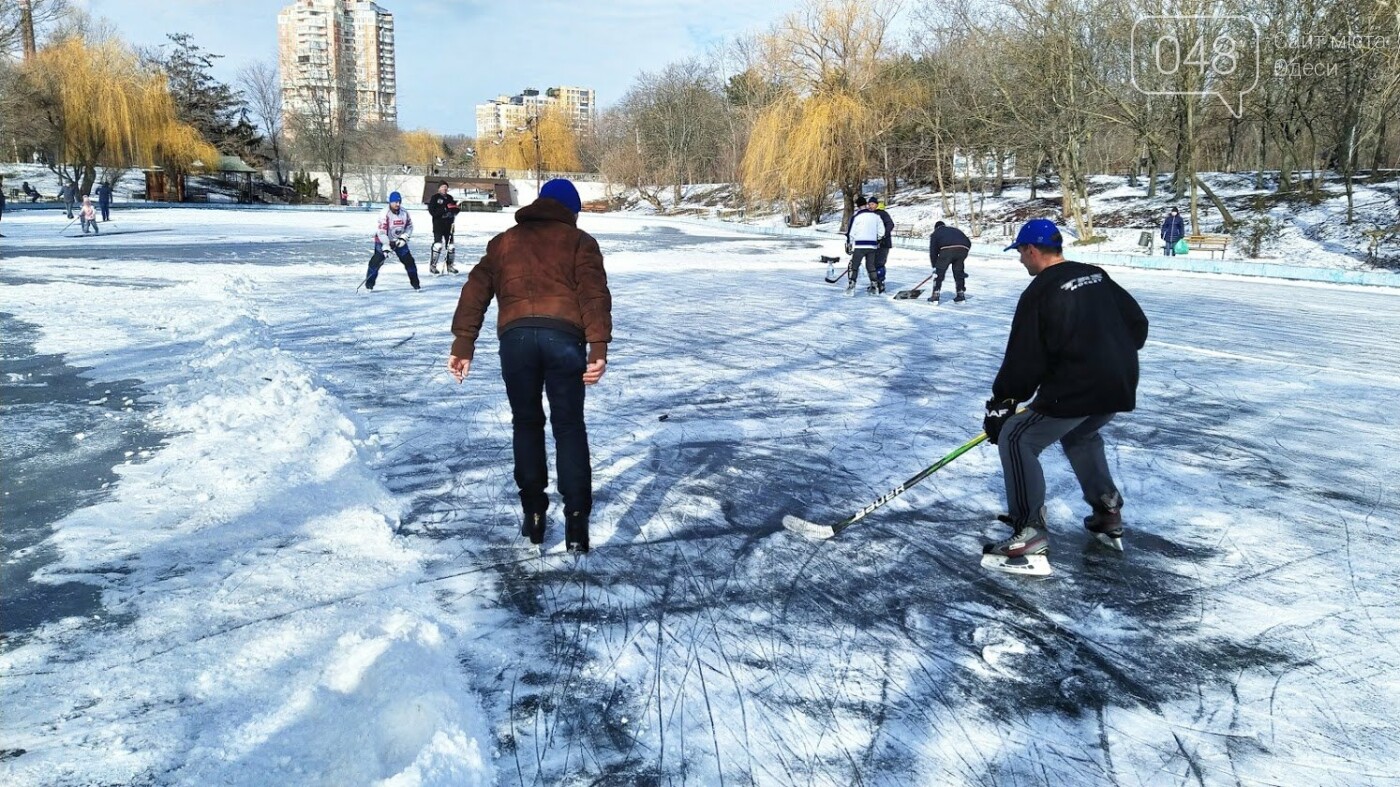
{"x": 101, "y": 108}
{"x": 422, "y": 147}
{"x": 546, "y": 139}
{"x": 818, "y": 130}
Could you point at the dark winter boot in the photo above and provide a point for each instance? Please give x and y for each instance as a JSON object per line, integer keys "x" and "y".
{"x": 960, "y": 297}
{"x": 576, "y": 531}
{"x": 533, "y": 525}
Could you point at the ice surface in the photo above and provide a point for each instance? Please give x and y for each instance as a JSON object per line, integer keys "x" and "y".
{"x": 314, "y": 574}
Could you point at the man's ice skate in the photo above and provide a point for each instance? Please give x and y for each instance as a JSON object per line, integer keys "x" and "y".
{"x": 1106, "y": 525}
{"x": 451, "y": 257}
{"x": 1026, "y": 552}
{"x": 960, "y": 297}
{"x": 933, "y": 296}
{"x": 851, "y": 285}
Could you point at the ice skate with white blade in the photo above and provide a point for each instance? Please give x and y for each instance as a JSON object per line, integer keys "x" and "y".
{"x": 1026, "y": 551}
{"x": 1106, "y": 523}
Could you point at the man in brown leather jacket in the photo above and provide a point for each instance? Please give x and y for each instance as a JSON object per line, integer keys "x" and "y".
{"x": 554, "y": 322}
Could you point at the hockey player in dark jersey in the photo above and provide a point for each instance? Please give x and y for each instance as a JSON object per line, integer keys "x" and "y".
{"x": 442, "y": 206}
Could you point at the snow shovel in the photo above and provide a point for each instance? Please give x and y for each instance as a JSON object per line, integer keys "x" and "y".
{"x": 904, "y": 295}
{"x": 814, "y": 530}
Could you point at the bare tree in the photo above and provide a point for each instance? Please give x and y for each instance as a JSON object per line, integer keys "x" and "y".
{"x": 321, "y": 132}
{"x": 20, "y": 21}
{"x": 262, "y": 88}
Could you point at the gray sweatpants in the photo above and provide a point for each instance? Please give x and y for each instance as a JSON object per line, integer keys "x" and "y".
{"x": 1028, "y": 433}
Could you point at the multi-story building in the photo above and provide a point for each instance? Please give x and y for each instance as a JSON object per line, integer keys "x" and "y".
{"x": 509, "y": 112}
{"x": 337, "y": 59}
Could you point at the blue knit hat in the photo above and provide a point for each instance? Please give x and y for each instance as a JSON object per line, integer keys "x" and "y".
{"x": 394, "y": 196}
{"x": 1038, "y": 232}
{"x": 562, "y": 190}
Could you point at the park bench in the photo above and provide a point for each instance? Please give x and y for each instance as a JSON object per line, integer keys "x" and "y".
{"x": 1209, "y": 243}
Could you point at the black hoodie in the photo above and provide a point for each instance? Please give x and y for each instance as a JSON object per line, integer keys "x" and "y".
{"x": 1073, "y": 344}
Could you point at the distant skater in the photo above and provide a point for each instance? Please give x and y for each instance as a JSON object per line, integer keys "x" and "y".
{"x": 88, "y": 215}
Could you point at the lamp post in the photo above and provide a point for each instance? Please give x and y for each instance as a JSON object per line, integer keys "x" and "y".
{"x": 533, "y": 123}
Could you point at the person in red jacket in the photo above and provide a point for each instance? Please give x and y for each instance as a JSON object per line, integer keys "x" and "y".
{"x": 554, "y": 320}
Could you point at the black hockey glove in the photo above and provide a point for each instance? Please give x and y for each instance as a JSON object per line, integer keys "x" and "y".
{"x": 999, "y": 411}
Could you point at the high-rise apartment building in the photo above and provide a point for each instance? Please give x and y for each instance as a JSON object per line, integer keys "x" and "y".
{"x": 338, "y": 56}
{"x": 509, "y": 112}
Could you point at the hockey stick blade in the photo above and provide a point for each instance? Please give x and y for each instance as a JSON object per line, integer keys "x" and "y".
{"x": 905, "y": 295}
{"x": 814, "y": 530}
{"x": 808, "y": 528}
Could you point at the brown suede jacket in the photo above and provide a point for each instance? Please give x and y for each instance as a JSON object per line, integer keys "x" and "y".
{"x": 543, "y": 270}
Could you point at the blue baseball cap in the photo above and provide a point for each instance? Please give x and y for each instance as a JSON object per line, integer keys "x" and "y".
{"x": 394, "y": 196}
{"x": 1038, "y": 232}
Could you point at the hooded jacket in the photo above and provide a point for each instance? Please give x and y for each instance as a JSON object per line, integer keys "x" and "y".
{"x": 544, "y": 271}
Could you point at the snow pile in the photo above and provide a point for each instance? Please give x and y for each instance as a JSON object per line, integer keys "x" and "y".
{"x": 271, "y": 631}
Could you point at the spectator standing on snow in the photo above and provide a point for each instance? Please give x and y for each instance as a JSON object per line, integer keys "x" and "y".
{"x": 863, "y": 239}
{"x": 1074, "y": 346}
{"x": 442, "y": 206}
{"x": 948, "y": 247}
{"x": 344, "y": 195}
{"x": 88, "y": 216}
{"x": 886, "y": 243}
{"x": 395, "y": 228}
{"x": 1173, "y": 230}
{"x": 69, "y": 193}
{"x": 104, "y": 200}
{"x": 554, "y": 319}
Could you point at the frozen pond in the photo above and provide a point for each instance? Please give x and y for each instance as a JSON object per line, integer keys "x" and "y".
{"x": 308, "y": 567}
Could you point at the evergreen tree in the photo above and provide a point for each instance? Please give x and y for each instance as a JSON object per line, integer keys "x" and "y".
{"x": 218, "y": 111}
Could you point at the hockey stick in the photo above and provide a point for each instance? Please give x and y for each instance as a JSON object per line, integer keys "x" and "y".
{"x": 905, "y": 295}
{"x": 838, "y": 278}
{"x": 378, "y": 256}
{"x": 814, "y": 530}
{"x": 66, "y": 226}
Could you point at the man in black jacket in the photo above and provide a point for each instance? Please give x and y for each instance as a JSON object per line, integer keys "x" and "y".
{"x": 443, "y": 208}
{"x": 1073, "y": 346}
{"x": 882, "y": 252}
{"x": 948, "y": 246}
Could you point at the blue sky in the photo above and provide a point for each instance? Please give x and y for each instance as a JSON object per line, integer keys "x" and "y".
{"x": 454, "y": 54}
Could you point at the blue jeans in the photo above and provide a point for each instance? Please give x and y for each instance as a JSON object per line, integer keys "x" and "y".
{"x": 548, "y": 361}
